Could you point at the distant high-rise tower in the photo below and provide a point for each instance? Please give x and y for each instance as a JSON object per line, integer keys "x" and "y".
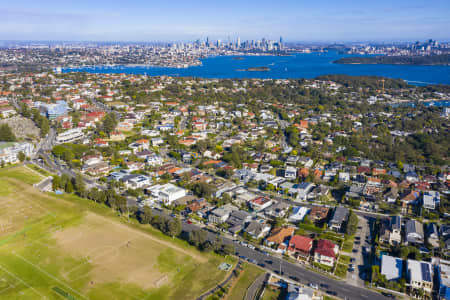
{"x": 238, "y": 44}
{"x": 207, "y": 41}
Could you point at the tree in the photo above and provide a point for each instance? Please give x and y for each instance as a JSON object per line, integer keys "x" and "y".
{"x": 174, "y": 227}
{"x": 79, "y": 184}
{"x": 109, "y": 123}
{"x": 21, "y": 156}
{"x": 197, "y": 237}
{"x": 69, "y": 187}
{"x": 6, "y": 134}
{"x": 56, "y": 182}
{"x": 228, "y": 249}
{"x": 145, "y": 216}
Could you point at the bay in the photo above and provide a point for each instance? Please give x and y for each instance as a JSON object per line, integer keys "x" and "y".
{"x": 298, "y": 65}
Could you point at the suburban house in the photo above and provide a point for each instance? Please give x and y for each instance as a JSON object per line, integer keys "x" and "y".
{"x": 298, "y": 214}
{"x": 414, "y": 232}
{"x": 391, "y": 267}
{"x": 237, "y": 220}
{"x": 340, "y": 216}
{"x": 300, "y": 246}
{"x": 9, "y": 152}
{"x": 277, "y": 210}
{"x": 432, "y": 235}
{"x": 260, "y": 203}
{"x": 395, "y": 238}
{"x": 257, "y": 229}
{"x": 167, "y": 193}
{"x": 135, "y": 181}
{"x": 290, "y": 172}
{"x": 325, "y": 252}
{"x": 302, "y": 189}
{"x": 431, "y": 200}
{"x": 318, "y": 213}
{"x": 221, "y": 214}
{"x": 420, "y": 275}
{"x": 279, "y": 235}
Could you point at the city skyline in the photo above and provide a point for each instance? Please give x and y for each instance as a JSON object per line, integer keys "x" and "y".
{"x": 181, "y": 21}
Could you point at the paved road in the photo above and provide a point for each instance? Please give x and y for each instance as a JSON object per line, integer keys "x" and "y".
{"x": 289, "y": 270}
{"x": 255, "y": 286}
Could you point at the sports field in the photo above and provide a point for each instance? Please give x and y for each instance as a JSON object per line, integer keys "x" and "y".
{"x": 64, "y": 247}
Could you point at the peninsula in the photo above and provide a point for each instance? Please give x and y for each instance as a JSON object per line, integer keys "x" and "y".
{"x": 440, "y": 59}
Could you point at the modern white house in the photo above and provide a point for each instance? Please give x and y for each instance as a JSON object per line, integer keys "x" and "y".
{"x": 69, "y": 136}
{"x": 9, "y": 152}
{"x": 420, "y": 275}
{"x": 167, "y": 193}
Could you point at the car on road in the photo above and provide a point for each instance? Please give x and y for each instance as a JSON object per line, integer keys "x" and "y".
{"x": 355, "y": 250}
{"x": 313, "y": 286}
{"x": 389, "y": 295}
{"x": 293, "y": 278}
{"x": 357, "y": 242}
{"x": 323, "y": 285}
{"x": 333, "y": 293}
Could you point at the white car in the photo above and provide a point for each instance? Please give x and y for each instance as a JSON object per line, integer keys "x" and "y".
{"x": 313, "y": 286}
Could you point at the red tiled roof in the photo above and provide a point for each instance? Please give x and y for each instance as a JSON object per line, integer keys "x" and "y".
{"x": 300, "y": 243}
{"x": 326, "y": 248}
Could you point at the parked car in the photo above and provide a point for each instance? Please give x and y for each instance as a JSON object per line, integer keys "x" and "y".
{"x": 313, "y": 286}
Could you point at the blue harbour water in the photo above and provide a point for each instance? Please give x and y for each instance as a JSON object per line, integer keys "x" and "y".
{"x": 300, "y": 65}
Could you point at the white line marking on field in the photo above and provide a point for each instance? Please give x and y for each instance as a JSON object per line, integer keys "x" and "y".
{"x": 17, "y": 278}
{"x": 49, "y": 275}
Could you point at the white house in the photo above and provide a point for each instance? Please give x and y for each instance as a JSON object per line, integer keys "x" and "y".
{"x": 420, "y": 275}
{"x": 167, "y": 193}
{"x": 9, "y": 152}
{"x": 290, "y": 172}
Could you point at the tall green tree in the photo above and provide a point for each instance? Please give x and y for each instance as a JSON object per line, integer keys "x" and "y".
{"x": 6, "y": 134}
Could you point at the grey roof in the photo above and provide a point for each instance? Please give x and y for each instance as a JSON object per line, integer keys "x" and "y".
{"x": 340, "y": 215}
{"x": 396, "y": 222}
{"x": 255, "y": 228}
{"x": 238, "y": 217}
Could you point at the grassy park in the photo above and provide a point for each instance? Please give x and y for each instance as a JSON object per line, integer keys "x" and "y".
{"x": 61, "y": 246}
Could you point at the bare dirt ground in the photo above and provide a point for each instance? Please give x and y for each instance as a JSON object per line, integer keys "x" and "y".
{"x": 116, "y": 252}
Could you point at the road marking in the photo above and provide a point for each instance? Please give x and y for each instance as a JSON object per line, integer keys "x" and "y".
{"x": 17, "y": 278}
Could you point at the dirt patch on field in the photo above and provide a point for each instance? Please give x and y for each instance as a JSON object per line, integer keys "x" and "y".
{"x": 116, "y": 252}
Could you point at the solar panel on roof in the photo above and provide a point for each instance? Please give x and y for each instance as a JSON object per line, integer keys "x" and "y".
{"x": 426, "y": 274}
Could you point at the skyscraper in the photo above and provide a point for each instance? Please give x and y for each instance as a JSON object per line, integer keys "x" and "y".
{"x": 238, "y": 44}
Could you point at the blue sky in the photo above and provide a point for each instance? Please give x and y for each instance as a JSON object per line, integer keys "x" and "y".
{"x": 170, "y": 20}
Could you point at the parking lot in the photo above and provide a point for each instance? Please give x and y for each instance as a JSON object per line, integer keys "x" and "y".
{"x": 362, "y": 244}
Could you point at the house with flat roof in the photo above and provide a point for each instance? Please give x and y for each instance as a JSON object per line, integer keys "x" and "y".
{"x": 420, "y": 275}
{"x": 298, "y": 214}
{"x": 221, "y": 214}
{"x": 431, "y": 200}
{"x": 391, "y": 267}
